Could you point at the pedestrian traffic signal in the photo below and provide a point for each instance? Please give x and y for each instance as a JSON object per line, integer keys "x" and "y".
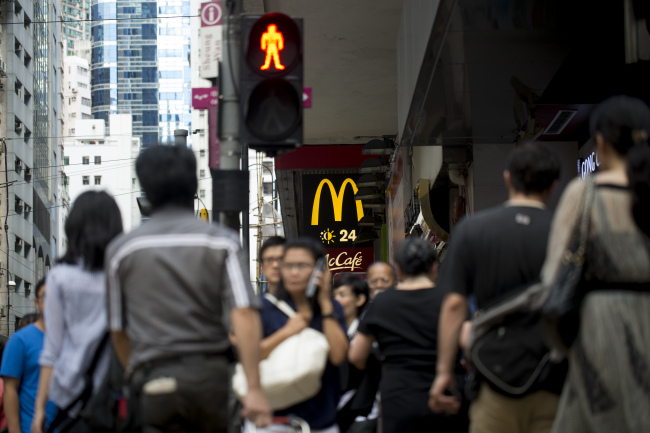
{"x": 271, "y": 74}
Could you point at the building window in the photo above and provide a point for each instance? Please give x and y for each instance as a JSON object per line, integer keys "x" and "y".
{"x": 85, "y": 160}
{"x": 98, "y": 160}
{"x": 98, "y": 180}
{"x": 86, "y": 180}
{"x": 85, "y": 101}
{"x": 202, "y": 153}
{"x": 268, "y": 188}
{"x": 202, "y": 193}
{"x": 201, "y": 174}
{"x": 133, "y": 181}
{"x": 66, "y": 160}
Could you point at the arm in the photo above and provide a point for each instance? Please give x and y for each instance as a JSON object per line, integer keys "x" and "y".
{"x": 452, "y": 316}
{"x": 332, "y": 329}
{"x": 11, "y": 403}
{"x": 248, "y": 332}
{"x": 54, "y": 316}
{"x": 360, "y": 349}
{"x": 122, "y": 346}
{"x": 38, "y": 423}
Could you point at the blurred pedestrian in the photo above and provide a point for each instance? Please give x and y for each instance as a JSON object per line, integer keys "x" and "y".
{"x": 170, "y": 282}
{"x": 380, "y": 276}
{"x": 492, "y": 255}
{"x": 358, "y": 407}
{"x": 20, "y": 371}
{"x": 321, "y": 313}
{"x": 608, "y": 385}
{"x": 405, "y": 324}
{"x": 27, "y": 319}
{"x": 270, "y": 257}
{"x": 75, "y": 307}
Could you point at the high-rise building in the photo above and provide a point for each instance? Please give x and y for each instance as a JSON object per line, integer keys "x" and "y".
{"x": 97, "y": 161}
{"x": 75, "y": 15}
{"x": 140, "y": 66}
{"x": 30, "y": 96}
{"x": 76, "y": 92}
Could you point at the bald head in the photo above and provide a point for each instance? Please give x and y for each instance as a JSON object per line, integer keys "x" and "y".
{"x": 380, "y": 276}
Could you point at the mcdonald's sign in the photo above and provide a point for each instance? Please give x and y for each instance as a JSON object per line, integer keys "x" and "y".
{"x": 337, "y": 200}
{"x": 331, "y": 212}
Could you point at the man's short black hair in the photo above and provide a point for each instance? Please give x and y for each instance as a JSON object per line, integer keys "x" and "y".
{"x": 39, "y": 286}
{"x": 167, "y": 175}
{"x": 273, "y": 241}
{"x": 533, "y": 168}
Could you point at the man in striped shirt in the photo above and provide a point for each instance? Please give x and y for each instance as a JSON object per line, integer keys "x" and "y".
{"x": 170, "y": 282}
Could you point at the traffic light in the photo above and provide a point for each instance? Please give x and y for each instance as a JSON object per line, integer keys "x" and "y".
{"x": 271, "y": 69}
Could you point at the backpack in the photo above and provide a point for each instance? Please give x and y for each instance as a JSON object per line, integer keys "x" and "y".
{"x": 107, "y": 410}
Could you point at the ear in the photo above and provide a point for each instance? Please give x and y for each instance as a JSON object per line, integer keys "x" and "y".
{"x": 434, "y": 271}
{"x": 361, "y": 299}
{"x": 601, "y": 146}
{"x": 506, "y": 179}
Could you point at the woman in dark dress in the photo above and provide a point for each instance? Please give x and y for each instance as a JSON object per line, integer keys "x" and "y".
{"x": 405, "y": 324}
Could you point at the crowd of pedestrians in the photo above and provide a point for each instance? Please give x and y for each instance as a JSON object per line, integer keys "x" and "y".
{"x": 166, "y": 304}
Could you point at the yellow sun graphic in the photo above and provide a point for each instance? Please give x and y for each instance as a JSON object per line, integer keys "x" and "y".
{"x": 327, "y": 236}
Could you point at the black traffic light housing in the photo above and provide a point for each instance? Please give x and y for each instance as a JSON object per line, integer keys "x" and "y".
{"x": 271, "y": 76}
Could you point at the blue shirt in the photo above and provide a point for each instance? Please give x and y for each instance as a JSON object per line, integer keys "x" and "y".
{"x": 20, "y": 360}
{"x": 320, "y": 410}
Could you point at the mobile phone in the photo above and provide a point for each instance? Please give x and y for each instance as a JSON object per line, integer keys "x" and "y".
{"x": 311, "y": 286}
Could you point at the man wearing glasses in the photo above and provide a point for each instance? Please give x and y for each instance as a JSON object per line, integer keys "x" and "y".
{"x": 270, "y": 258}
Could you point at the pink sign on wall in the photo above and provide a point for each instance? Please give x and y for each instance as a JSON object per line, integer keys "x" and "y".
{"x": 204, "y": 97}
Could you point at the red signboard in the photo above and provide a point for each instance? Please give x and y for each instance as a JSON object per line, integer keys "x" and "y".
{"x": 349, "y": 259}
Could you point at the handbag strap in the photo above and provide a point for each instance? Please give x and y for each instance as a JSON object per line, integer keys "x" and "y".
{"x": 280, "y": 305}
{"x": 578, "y": 256}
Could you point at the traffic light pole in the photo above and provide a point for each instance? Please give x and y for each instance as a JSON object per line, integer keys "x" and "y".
{"x": 230, "y": 180}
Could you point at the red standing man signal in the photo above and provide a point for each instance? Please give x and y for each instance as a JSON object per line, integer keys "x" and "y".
{"x": 272, "y": 42}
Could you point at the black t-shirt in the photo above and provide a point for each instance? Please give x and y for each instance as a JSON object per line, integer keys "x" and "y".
{"x": 405, "y": 324}
{"x": 495, "y": 252}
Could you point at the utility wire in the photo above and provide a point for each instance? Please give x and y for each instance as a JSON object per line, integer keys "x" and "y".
{"x": 102, "y": 19}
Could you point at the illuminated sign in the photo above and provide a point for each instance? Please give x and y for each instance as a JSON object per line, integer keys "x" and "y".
{"x": 337, "y": 200}
{"x": 272, "y": 43}
{"x": 349, "y": 259}
{"x": 331, "y": 212}
{"x": 588, "y": 165}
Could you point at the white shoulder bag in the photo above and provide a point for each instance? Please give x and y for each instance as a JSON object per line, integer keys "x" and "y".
{"x": 293, "y": 371}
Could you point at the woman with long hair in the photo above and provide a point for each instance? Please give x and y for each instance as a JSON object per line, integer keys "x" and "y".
{"x": 404, "y": 322}
{"x": 321, "y": 313}
{"x": 75, "y": 306}
{"x": 608, "y": 385}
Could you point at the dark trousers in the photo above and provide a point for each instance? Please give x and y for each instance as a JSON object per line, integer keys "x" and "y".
{"x": 184, "y": 394}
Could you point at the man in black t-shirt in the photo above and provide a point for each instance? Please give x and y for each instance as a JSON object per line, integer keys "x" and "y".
{"x": 490, "y": 255}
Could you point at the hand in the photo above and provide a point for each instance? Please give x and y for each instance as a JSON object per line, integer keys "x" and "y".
{"x": 438, "y": 401}
{"x": 256, "y": 408}
{"x": 38, "y": 422}
{"x": 324, "y": 283}
{"x": 296, "y": 324}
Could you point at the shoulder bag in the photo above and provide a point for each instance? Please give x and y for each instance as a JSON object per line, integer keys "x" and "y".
{"x": 507, "y": 348}
{"x": 561, "y": 311}
{"x": 293, "y": 371}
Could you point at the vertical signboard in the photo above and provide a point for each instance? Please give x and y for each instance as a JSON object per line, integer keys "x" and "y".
{"x": 331, "y": 214}
{"x": 210, "y": 39}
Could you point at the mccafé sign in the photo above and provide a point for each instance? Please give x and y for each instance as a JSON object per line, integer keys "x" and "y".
{"x": 349, "y": 260}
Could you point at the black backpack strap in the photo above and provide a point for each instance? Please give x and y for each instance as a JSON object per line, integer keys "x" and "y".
{"x": 87, "y": 392}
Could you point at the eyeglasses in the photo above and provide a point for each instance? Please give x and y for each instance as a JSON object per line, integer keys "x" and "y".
{"x": 270, "y": 260}
{"x": 299, "y": 266}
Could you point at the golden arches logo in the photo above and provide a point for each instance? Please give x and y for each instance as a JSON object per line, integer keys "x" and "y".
{"x": 337, "y": 200}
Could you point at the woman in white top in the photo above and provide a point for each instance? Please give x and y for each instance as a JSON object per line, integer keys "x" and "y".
{"x": 75, "y": 306}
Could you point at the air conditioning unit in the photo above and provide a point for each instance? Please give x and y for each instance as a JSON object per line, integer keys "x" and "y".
{"x": 19, "y": 243}
{"x": 74, "y": 90}
{"x": 28, "y": 171}
{"x": 2, "y": 86}
{"x": 19, "y": 126}
{"x": 19, "y": 92}
{"x": 3, "y": 68}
